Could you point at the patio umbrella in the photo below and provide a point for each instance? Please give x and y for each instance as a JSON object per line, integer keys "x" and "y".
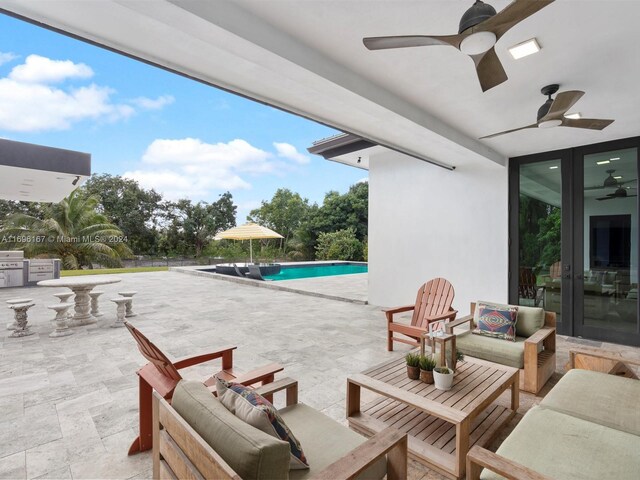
{"x": 248, "y": 231}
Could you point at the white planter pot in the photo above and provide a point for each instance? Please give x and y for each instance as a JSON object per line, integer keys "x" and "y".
{"x": 443, "y": 381}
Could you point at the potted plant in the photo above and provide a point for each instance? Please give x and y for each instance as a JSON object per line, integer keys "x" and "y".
{"x": 427, "y": 364}
{"x": 459, "y": 358}
{"x": 413, "y": 365}
{"x": 443, "y": 378}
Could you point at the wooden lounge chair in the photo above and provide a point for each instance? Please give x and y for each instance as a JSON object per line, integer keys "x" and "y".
{"x": 433, "y": 302}
{"x": 254, "y": 272}
{"x": 161, "y": 375}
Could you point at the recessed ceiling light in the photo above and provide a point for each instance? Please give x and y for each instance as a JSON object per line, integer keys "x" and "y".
{"x": 524, "y": 49}
{"x": 618, "y": 177}
{"x": 553, "y": 168}
{"x": 573, "y": 116}
{"x": 614, "y": 159}
{"x": 603, "y": 162}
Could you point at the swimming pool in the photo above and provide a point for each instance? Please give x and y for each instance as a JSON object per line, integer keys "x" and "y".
{"x": 308, "y": 270}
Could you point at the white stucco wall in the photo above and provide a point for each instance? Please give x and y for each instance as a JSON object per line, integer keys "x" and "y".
{"x": 427, "y": 222}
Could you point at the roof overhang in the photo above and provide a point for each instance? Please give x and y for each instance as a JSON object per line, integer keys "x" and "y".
{"x": 34, "y": 173}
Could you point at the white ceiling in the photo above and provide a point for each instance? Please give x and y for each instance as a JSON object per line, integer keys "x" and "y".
{"x": 307, "y": 56}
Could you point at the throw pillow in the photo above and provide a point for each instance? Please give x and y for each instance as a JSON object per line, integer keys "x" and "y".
{"x": 497, "y": 321}
{"x": 258, "y": 412}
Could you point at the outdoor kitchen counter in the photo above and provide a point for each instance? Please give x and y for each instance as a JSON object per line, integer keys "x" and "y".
{"x": 81, "y": 286}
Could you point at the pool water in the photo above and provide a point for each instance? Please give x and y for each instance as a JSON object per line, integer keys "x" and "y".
{"x": 291, "y": 272}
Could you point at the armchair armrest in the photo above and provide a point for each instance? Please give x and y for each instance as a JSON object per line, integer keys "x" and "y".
{"x": 393, "y": 310}
{"x": 288, "y": 384}
{"x": 599, "y": 354}
{"x": 189, "y": 362}
{"x": 390, "y": 442}
{"x": 261, "y": 374}
{"x": 450, "y": 313}
{"x": 460, "y": 321}
{"x": 540, "y": 335}
{"x": 479, "y": 458}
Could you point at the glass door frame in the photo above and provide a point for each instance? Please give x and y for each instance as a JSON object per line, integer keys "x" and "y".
{"x": 572, "y": 171}
{"x": 580, "y": 329}
{"x": 563, "y": 327}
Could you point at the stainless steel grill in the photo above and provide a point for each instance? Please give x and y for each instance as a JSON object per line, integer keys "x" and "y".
{"x": 12, "y": 269}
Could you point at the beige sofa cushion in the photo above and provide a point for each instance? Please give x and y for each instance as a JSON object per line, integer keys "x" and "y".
{"x": 569, "y": 448}
{"x": 251, "y": 453}
{"x": 492, "y": 349}
{"x": 597, "y": 397}
{"x": 325, "y": 441}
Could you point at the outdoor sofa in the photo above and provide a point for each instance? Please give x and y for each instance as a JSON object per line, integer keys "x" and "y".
{"x": 587, "y": 427}
{"x": 197, "y": 437}
{"x": 533, "y": 352}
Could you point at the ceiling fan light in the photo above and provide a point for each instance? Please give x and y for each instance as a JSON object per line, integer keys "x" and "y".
{"x": 478, "y": 42}
{"x": 550, "y": 123}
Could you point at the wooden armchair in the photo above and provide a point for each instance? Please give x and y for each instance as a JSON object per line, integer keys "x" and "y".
{"x": 433, "y": 302}
{"x": 539, "y": 351}
{"x": 180, "y": 452}
{"x": 161, "y": 375}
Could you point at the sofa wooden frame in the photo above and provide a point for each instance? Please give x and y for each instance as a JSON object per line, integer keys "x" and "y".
{"x": 179, "y": 452}
{"x": 539, "y": 363}
{"x": 480, "y": 458}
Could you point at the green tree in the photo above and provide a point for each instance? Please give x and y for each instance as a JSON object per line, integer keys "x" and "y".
{"x": 136, "y": 211}
{"x": 549, "y": 237}
{"x": 72, "y": 230}
{"x": 340, "y": 245}
{"x": 284, "y": 213}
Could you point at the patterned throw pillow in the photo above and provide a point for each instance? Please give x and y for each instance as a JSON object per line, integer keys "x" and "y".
{"x": 497, "y": 321}
{"x": 258, "y": 412}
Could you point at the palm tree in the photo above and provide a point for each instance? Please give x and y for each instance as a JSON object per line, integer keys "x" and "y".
{"x": 72, "y": 230}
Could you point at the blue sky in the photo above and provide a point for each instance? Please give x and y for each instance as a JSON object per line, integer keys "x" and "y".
{"x": 178, "y": 136}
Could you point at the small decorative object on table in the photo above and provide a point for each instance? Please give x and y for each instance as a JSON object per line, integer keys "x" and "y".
{"x": 443, "y": 378}
{"x": 427, "y": 364}
{"x": 413, "y": 365}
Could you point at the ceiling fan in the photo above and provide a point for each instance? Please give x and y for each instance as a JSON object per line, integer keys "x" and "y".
{"x": 610, "y": 182}
{"x": 551, "y": 113}
{"x": 480, "y": 28}
{"x": 621, "y": 192}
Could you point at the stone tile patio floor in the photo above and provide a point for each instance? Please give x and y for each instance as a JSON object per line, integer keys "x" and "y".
{"x": 69, "y": 405}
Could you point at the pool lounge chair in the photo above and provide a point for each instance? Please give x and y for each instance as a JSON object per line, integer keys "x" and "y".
{"x": 238, "y": 271}
{"x": 161, "y": 375}
{"x": 254, "y": 272}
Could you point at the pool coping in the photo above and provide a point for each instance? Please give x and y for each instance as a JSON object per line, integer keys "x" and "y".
{"x": 196, "y": 270}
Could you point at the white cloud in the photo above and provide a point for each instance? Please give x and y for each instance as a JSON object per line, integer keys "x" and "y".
{"x": 33, "y": 107}
{"x": 363, "y": 180}
{"x": 153, "y": 103}
{"x": 288, "y": 151}
{"x": 6, "y": 57}
{"x": 30, "y": 103}
{"x": 37, "y": 69}
{"x": 192, "y": 168}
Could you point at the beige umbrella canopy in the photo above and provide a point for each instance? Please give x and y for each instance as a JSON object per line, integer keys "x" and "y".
{"x": 248, "y": 231}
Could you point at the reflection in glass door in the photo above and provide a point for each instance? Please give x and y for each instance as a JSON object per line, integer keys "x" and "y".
{"x": 608, "y": 274}
{"x": 539, "y": 235}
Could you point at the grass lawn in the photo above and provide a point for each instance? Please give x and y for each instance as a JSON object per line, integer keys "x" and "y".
{"x": 108, "y": 271}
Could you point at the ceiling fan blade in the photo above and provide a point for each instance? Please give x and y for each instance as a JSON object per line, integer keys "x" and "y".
{"x": 596, "y": 187}
{"x": 535, "y": 125}
{"x": 606, "y": 198}
{"x": 404, "y": 41}
{"x": 562, "y": 103}
{"x": 489, "y": 68}
{"x": 511, "y": 15}
{"x": 589, "y": 123}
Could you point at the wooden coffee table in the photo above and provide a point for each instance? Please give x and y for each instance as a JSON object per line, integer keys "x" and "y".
{"x": 442, "y": 425}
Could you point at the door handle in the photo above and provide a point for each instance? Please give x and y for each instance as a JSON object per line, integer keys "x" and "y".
{"x": 567, "y": 275}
